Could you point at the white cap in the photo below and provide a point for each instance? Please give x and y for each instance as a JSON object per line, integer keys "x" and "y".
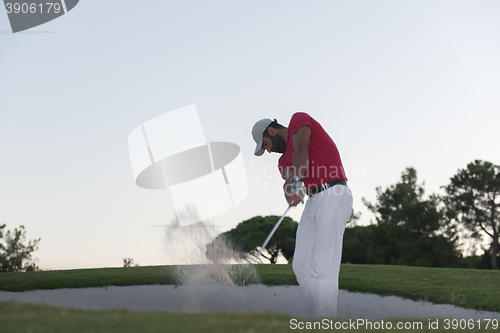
{"x": 257, "y": 133}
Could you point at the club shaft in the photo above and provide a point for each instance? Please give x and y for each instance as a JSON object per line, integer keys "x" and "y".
{"x": 272, "y": 232}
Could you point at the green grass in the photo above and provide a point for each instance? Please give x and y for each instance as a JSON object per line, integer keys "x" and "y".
{"x": 102, "y": 277}
{"x": 83, "y": 278}
{"x": 276, "y": 275}
{"x": 17, "y": 318}
{"x": 469, "y": 288}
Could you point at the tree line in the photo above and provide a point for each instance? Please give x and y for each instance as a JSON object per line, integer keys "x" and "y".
{"x": 417, "y": 231}
{"x": 410, "y": 228}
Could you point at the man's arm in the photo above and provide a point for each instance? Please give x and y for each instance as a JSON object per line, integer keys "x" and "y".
{"x": 300, "y": 161}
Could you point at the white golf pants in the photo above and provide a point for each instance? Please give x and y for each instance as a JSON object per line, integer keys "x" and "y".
{"x": 318, "y": 248}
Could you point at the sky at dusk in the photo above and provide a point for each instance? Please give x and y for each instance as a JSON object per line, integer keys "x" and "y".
{"x": 395, "y": 84}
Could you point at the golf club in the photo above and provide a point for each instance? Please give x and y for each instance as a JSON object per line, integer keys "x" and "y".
{"x": 272, "y": 232}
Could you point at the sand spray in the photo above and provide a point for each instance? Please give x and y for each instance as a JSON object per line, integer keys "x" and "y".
{"x": 207, "y": 263}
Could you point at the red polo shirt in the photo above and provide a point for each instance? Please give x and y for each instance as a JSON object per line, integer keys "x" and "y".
{"x": 324, "y": 159}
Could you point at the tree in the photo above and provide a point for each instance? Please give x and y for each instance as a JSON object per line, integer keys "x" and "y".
{"x": 15, "y": 255}
{"x": 402, "y": 204}
{"x": 473, "y": 199}
{"x": 410, "y": 230}
{"x": 129, "y": 262}
{"x": 249, "y": 235}
{"x": 369, "y": 245}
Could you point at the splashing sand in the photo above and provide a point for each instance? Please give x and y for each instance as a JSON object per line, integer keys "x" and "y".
{"x": 202, "y": 258}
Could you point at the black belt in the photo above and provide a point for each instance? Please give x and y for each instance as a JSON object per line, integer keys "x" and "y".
{"x": 318, "y": 189}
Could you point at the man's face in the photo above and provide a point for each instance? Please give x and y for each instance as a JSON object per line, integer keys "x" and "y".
{"x": 274, "y": 144}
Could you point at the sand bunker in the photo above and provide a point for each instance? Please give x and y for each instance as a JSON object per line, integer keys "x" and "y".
{"x": 254, "y": 298}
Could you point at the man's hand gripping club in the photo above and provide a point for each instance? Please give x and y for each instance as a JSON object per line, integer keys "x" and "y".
{"x": 295, "y": 191}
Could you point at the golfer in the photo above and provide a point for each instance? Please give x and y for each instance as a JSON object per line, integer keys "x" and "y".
{"x": 310, "y": 163}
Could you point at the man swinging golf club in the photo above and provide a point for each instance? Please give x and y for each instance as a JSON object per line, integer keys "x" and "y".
{"x": 310, "y": 162}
